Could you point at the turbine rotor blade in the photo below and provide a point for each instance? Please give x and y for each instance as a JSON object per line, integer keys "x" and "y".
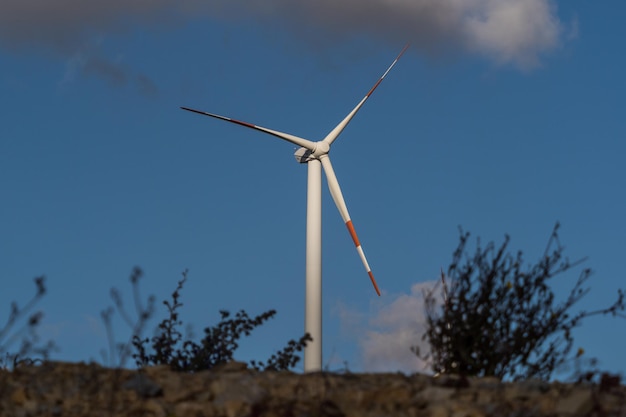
{"x": 335, "y": 192}
{"x": 305, "y": 143}
{"x": 330, "y": 138}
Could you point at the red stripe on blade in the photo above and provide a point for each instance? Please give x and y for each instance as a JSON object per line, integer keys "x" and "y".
{"x": 353, "y": 233}
{"x": 374, "y": 282}
{"x": 239, "y": 122}
{"x": 374, "y": 88}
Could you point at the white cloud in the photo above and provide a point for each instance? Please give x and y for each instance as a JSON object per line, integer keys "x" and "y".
{"x": 385, "y": 337}
{"x": 511, "y": 32}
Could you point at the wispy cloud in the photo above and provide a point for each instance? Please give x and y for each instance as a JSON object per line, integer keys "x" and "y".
{"x": 90, "y": 61}
{"x": 74, "y": 31}
{"x": 386, "y": 335}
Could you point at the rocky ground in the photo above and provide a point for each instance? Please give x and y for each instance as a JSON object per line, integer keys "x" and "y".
{"x": 72, "y": 390}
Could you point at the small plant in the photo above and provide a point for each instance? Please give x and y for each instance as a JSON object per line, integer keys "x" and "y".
{"x": 284, "y": 359}
{"x": 217, "y": 346}
{"x": 26, "y": 334}
{"x": 122, "y": 351}
{"x": 499, "y": 317}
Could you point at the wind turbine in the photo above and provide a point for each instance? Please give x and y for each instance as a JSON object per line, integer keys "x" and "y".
{"x": 315, "y": 155}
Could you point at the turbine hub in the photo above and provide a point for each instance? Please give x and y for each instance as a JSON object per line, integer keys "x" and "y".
{"x": 321, "y": 148}
{"x": 304, "y": 155}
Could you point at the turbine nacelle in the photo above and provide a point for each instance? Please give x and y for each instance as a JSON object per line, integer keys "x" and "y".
{"x": 304, "y": 155}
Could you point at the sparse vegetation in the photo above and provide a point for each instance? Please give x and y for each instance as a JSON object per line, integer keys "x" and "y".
{"x": 217, "y": 346}
{"x": 21, "y": 327}
{"x": 166, "y": 347}
{"x": 122, "y": 351}
{"x": 500, "y": 317}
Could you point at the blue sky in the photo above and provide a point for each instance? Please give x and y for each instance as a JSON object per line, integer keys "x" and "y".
{"x": 503, "y": 117}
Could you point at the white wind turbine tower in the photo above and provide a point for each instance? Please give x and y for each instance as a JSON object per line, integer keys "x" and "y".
{"x": 315, "y": 155}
